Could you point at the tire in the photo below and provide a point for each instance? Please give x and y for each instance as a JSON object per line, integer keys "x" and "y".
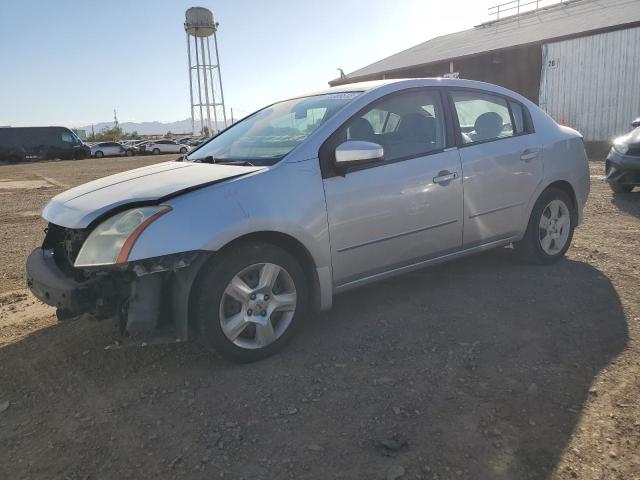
{"x": 183, "y": 150}
{"x": 538, "y": 244}
{"x": 211, "y": 305}
{"x": 156, "y": 151}
{"x": 63, "y": 314}
{"x": 129, "y": 153}
{"x": 617, "y": 188}
{"x": 99, "y": 154}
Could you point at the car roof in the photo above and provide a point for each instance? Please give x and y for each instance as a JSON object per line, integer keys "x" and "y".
{"x": 407, "y": 83}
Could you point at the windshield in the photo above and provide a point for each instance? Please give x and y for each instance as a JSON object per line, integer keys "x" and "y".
{"x": 266, "y": 136}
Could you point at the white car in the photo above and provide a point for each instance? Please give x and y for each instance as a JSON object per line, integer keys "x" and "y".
{"x": 103, "y": 149}
{"x": 166, "y": 146}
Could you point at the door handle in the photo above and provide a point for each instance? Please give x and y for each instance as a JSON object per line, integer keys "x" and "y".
{"x": 529, "y": 154}
{"x": 445, "y": 176}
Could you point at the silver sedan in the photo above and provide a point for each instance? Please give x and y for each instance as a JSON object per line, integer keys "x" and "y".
{"x": 107, "y": 149}
{"x": 237, "y": 241}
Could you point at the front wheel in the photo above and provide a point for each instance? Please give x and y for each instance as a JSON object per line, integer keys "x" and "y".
{"x": 248, "y": 304}
{"x": 99, "y": 154}
{"x": 129, "y": 153}
{"x": 550, "y": 228}
{"x": 156, "y": 151}
{"x": 183, "y": 150}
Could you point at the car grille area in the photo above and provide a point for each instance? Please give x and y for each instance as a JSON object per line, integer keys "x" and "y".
{"x": 66, "y": 244}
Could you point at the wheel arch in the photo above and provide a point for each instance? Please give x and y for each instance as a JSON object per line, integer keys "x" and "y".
{"x": 288, "y": 243}
{"x": 560, "y": 184}
{"x": 567, "y": 188}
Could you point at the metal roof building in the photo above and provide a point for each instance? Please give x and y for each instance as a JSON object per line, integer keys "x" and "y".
{"x": 580, "y": 60}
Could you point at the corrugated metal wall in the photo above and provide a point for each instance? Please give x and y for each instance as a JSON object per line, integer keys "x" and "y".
{"x": 593, "y": 83}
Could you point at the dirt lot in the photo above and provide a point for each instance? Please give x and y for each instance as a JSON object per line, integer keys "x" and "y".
{"x": 484, "y": 368}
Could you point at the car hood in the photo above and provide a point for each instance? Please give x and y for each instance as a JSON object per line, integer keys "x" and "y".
{"x": 78, "y": 207}
{"x": 633, "y": 137}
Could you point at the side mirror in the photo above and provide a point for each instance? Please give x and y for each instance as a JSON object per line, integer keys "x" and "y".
{"x": 353, "y": 153}
{"x": 636, "y": 123}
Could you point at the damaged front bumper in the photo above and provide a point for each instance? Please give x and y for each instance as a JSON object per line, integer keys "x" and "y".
{"x": 50, "y": 285}
{"x": 147, "y": 300}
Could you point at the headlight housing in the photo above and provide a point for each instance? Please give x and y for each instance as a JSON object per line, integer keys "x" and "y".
{"x": 620, "y": 145}
{"x": 110, "y": 243}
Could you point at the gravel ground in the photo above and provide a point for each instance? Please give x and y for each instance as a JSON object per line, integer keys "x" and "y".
{"x": 484, "y": 368}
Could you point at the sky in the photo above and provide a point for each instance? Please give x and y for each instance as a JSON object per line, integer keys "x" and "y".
{"x": 71, "y": 62}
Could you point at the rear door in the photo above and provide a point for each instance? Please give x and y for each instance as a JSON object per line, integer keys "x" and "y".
{"x": 113, "y": 148}
{"x": 501, "y": 164}
{"x": 164, "y": 146}
{"x": 405, "y": 209}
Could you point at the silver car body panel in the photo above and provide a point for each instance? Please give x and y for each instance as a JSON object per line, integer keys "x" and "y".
{"x": 393, "y": 214}
{"x": 79, "y": 206}
{"x": 368, "y": 225}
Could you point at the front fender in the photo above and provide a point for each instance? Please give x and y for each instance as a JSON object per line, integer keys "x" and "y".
{"x": 289, "y": 199}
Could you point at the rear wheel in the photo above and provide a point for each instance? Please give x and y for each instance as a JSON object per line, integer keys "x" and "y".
{"x": 617, "y": 188}
{"x": 99, "y": 154}
{"x": 550, "y": 228}
{"x": 248, "y": 304}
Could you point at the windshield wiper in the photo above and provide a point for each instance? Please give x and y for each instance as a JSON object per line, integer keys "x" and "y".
{"x": 211, "y": 159}
{"x": 245, "y": 163}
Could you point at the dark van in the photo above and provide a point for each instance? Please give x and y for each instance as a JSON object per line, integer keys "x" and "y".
{"x": 19, "y": 144}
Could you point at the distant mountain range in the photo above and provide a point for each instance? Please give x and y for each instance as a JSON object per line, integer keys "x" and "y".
{"x": 150, "y": 128}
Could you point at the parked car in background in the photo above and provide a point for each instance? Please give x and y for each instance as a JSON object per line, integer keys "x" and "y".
{"x": 308, "y": 198}
{"x": 108, "y": 149}
{"x": 131, "y": 143}
{"x": 622, "y": 167}
{"x": 185, "y": 140}
{"x": 18, "y": 144}
{"x": 141, "y": 146}
{"x": 166, "y": 146}
{"x": 194, "y": 142}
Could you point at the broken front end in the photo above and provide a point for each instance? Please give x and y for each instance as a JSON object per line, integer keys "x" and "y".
{"x": 86, "y": 271}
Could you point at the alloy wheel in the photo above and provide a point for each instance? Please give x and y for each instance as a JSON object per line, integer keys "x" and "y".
{"x": 258, "y": 305}
{"x": 554, "y": 227}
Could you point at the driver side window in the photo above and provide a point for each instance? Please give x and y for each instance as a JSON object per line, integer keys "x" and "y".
{"x": 406, "y": 125}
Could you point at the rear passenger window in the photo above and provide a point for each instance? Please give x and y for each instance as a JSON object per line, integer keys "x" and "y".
{"x": 482, "y": 117}
{"x": 406, "y": 125}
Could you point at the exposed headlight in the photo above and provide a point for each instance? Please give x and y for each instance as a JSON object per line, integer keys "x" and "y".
{"x": 111, "y": 242}
{"x": 620, "y": 145}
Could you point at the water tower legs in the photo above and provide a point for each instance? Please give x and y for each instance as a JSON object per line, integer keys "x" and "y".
{"x": 200, "y": 24}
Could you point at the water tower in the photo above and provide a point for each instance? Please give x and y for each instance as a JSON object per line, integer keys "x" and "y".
{"x": 205, "y": 82}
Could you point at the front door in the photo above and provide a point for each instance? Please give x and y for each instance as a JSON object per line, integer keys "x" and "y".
{"x": 501, "y": 165}
{"x": 406, "y": 208}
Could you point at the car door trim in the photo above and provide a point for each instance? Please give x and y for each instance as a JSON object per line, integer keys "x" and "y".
{"x": 427, "y": 262}
{"x": 397, "y": 235}
{"x": 494, "y": 210}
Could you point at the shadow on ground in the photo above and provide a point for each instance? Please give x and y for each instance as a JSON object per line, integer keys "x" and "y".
{"x": 628, "y": 202}
{"x": 477, "y": 369}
